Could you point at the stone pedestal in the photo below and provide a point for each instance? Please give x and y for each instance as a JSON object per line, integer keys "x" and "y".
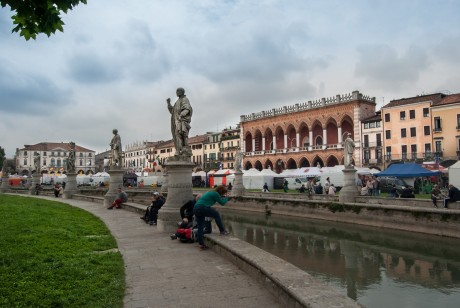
{"x": 179, "y": 188}
{"x": 238, "y": 187}
{"x": 164, "y": 185}
{"x": 70, "y": 186}
{"x": 35, "y": 180}
{"x": 5, "y": 185}
{"x": 349, "y": 190}
{"x": 116, "y": 180}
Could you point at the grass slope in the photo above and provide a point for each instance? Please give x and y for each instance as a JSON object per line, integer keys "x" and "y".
{"x": 52, "y": 255}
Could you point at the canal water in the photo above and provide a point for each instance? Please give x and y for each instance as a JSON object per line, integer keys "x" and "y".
{"x": 376, "y": 267}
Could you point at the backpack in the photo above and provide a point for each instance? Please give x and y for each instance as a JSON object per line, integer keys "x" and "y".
{"x": 185, "y": 235}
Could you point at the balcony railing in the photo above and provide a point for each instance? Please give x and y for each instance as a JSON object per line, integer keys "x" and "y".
{"x": 322, "y": 147}
{"x": 372, "y": 161}
{"x": 426, "y": 156}
{"x": 372, "y": 144}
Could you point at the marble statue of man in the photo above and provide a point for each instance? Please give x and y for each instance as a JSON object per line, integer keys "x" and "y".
{"x": 4, "y": 166}
{"x": 181, "y": 116}
{"x": 116, "y": 149}
{"x": 238, "y": 161}
{"x": 37, "y": 161}
{"x": 71, "y": 158}
{"x": 349, "y": 148}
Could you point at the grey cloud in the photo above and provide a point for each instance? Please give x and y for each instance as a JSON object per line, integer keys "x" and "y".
{"x": 266, "y": 53}
{"x": 383, "y": 66}
{"x": 92, "y": 69}
{"x": 133, "y": 54}
{"x": 28, "y": 93}
{"x": 145, "y": 60}
{"x": 448, "y": 50}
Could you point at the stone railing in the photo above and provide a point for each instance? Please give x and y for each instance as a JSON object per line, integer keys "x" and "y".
{"x": 318, "y": 103}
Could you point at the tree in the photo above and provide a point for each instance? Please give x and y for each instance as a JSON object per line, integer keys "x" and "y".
{"x": 33, "y": 17}
{"x": 2, "y": 156}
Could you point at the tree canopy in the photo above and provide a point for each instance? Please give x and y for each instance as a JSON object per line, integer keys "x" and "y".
{"x": 33, "y": 17}
{"x": 2, "y": 155}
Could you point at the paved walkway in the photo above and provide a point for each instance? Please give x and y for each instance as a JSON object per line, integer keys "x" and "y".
{"x": 161, "y": 272}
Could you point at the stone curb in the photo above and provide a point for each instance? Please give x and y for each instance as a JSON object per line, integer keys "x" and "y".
{"x": 290, "y": 285}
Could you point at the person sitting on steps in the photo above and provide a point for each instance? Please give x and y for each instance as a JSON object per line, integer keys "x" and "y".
{"x": 122, "y": 197}
{"x": 151, "y": 214}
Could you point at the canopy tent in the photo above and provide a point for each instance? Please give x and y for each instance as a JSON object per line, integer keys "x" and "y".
{"x": 268, "y": 172}
{"x": 454, "y": 174}
{"x": 433, "y": 166}
{"x": 406, "y": 171}
{"x": 102, "y": 174}
{"x": 251, "y": 171}
{"x": 255, "y": 179}
{"x": 223, "y": 172}
{"x": 199, "y": 173}
{"x": 309, "y": 172}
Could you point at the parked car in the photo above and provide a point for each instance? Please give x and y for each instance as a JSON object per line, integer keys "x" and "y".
{"x": 386, "y": 184}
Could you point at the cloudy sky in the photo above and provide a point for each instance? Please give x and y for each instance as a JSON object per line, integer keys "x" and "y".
{"x": 117, "y": 62}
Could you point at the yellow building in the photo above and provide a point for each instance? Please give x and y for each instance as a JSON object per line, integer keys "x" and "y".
{"x": 446, "y": 127}
{"x": 407, "y": 128}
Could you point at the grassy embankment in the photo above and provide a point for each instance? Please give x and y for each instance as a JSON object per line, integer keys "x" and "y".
{"x": 55, "y": 255}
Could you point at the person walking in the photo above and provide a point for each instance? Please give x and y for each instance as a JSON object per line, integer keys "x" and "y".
{"x": 285, "y": 186}
{"x": 265, "y": 188}
{"x": 203, "y": 208}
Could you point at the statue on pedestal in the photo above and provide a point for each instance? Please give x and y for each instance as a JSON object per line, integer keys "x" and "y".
{"x": 349, "y": 148}
{"x": 71, "y": 159}
{"x": 238, "y": 161}
{"x": 116, "y": 149}
{"x": 4, "y": 167}
{"x": 37, "y": 162}
{"x": 181, "y": 116}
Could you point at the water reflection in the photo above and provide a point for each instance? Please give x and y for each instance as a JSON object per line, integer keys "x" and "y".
{"x": 378, "y": 268}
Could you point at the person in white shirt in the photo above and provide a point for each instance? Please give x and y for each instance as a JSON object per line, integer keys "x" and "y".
{"x": 332, "y": 189}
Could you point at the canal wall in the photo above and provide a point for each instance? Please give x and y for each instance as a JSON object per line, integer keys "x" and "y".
{"x": 414, "y": 215}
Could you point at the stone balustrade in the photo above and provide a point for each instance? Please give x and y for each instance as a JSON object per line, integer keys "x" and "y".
{"x": 318, "y": 103}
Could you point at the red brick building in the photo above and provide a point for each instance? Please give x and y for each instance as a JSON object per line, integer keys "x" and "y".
{"x": 305, "y": 134}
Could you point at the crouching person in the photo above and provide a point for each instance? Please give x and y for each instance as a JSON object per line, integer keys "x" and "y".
{"x": 184, "y": 232}
{"x": 122, "y": 197}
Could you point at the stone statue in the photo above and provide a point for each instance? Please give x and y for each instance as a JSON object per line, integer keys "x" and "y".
{"x": 4, "y": 166}
{"x": 349, "y": 147}
{"x": 37, "y": 161}
{"x": 71, "y": 158}
{"x": 116, "y": 149}
{"x": 181, "y": 116}
{"x": 238, "y": 161}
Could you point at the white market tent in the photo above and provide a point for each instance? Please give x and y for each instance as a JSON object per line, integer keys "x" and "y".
{"x": 254, "y": 179}
{"x": 100, "y": 177}
{"x": 454, "y": 174}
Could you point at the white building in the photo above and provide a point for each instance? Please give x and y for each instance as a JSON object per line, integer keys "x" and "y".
{"x": 53, "y": 158}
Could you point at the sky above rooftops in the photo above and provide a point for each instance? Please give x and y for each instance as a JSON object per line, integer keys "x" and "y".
{"x": 117, "y": 62}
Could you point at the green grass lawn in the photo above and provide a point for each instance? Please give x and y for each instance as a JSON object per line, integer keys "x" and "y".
{"x": 55, "y": 255}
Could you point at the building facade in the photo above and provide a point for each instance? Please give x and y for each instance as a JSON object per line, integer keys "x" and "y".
{"x": 446, "y": 127}
{"x": 230, "y": 143}
{"x": 53, "y": 158}
{"x": 407, "y": 129}
{"x": 372, "y": 142}
{"x": 135, "y": 156}
{"x": 306, "y": 134}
